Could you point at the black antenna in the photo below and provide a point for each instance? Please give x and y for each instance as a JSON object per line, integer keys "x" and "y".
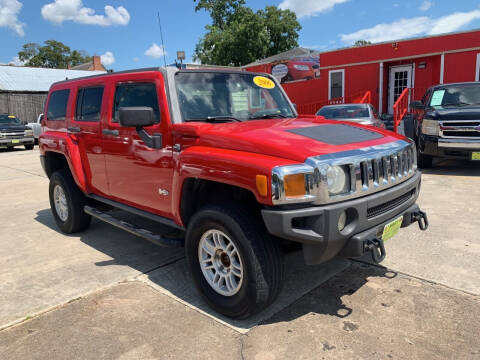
{"x": 161, "y": 37}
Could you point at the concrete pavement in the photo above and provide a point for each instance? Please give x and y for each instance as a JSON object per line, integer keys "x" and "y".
{"x": 117, "y": 296}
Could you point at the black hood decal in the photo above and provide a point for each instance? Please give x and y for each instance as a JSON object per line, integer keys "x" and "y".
{"x": 337, "y": 134}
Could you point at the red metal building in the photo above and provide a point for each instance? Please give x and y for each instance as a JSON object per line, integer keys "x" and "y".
{"x": 385, "y": 70}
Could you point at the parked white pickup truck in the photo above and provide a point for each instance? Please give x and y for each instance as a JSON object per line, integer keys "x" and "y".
{"x": 36, "y": 127}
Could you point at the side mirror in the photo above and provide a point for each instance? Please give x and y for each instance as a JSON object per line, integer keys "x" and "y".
{"x": 417, "y": 105}
{"x": 136, "y": 116}
{"x": 139, "y": 117}
{"x": 386, "y": 117}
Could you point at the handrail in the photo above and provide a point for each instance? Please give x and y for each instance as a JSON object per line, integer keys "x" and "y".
{"x": 367, "y": 98}
{"x": 400, "y": 108}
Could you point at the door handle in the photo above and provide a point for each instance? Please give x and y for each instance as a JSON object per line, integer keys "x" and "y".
{"x": 110, "y": 132}
{"x": 74, "y": 129}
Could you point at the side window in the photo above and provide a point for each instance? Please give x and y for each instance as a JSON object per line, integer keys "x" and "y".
{"x": 57, "y": 105}
{"x": 89, "y": 104}
{"x": 426, "y": 96}
{"x": 137, "y": 94}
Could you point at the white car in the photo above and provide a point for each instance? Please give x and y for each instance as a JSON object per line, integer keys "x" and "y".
{"x": 36, "y": 127}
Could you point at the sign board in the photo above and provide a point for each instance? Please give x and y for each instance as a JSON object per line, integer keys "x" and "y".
{"x": 181, "y": 55}
{"x": 279, "y": 71}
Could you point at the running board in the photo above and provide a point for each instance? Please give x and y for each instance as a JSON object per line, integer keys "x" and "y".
{"x": 143, "y": 233}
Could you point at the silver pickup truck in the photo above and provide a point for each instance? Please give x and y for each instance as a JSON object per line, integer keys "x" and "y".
{"x": 36, "y": 127}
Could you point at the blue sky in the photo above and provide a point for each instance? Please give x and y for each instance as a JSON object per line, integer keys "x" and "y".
{"x": 126, "y": 32}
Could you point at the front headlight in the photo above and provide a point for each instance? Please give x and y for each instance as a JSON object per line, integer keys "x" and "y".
{"x": 338, "y": 180}
{"x": 301, "y": 67}
{"x": 292, "y": 184}
{"x": 430, "y": 127}
{"x": 28, "y": 133}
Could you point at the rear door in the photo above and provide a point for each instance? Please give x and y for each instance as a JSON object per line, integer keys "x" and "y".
{"x": 138, "y": 175}
{"x": 86, "y": 129}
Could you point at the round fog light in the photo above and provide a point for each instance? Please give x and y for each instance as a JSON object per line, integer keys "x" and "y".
{"x": 342, "y": 221}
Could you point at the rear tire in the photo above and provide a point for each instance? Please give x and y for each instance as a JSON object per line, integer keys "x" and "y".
{"x": 252, "y": 249}
{"x": 29, "y": 147}
{"x": 67, "y": 202}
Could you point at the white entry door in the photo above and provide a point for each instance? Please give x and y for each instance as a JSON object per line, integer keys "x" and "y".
{"x": 400, "y": 78}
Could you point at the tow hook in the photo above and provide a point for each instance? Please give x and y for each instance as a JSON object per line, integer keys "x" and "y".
{"x": 422, "y": 219}
{"x": 376, "y": 248}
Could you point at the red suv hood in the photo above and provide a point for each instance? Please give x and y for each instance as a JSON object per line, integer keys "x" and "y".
{"x": 274, "y": 137}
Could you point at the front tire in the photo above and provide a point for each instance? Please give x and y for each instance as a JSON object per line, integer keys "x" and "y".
{"x": 67, "y": 202}
{"x": 236, "y": 265}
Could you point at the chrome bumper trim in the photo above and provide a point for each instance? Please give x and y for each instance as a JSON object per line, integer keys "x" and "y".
{"x": 459, "y": 144}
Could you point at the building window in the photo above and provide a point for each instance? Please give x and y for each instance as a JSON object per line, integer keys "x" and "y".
{"x": 336, "y": 84}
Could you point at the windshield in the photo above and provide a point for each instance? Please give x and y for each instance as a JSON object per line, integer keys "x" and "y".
{"x": 8, "y": 119}
{"x": 205, "y": 96}
{"x": 344, "y": 112}
{"x": 456, "y": 96}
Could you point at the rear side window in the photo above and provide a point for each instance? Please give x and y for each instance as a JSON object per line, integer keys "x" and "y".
{"x": 57, "y": 105}
{"x": 89, "y": 104}
{"x": 139, "y": 94}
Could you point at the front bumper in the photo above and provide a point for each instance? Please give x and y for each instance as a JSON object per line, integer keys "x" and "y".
{"x": 316, "y": 227}
{"x": 6, "y": 142}
{"x": 458, "y": 148}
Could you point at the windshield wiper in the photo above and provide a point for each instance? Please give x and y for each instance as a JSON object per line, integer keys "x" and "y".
{"x": 212, "y": 119}
{"x": 269, "y": 116}
{"x": 461, "y": 103}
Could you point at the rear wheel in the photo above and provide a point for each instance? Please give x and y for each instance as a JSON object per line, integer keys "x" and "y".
{"x": 236, "y": 265}
{"x": 67, "y": 202}
{"x": 29, "y": 147}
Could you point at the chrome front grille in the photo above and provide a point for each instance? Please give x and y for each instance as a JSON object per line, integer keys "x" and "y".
{"x": 381, "y": 171}
{"x": 12, "y": 134}
{"x": 371, "y": 169}
{"x": 367, "y": 170}
{"x": 460, "y": 129}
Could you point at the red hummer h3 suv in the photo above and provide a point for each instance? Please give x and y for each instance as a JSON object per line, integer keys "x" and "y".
{"x": 219, "y": 162}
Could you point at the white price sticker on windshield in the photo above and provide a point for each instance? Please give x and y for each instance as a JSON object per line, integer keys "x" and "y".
{"x": 437, "y": 98}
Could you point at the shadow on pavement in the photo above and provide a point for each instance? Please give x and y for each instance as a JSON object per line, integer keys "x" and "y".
{"x": 166, "y": 270}
{"x": 454, "y": 168}
{"x": 331, "y": 297}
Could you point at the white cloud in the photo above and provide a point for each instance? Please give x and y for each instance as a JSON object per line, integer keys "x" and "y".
{"x": 309, "y": 7}
{"x": 155, "y": 51}
{"x": 9, "y": 10}
{"x": 73, "y": 10}
{"x": 427, "y": 4}
{"x": 107, "y": 59}
{"x": 453, "y": 22}
{"x": 16, "y": 61}
{"x": 405, "y": 28}
{"x": 314, "y": 47}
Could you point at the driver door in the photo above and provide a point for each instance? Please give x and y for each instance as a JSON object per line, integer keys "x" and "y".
{"x": 137, "y": 175}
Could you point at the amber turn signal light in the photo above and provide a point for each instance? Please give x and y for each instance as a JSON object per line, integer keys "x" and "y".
{"x": 294, "y": 185}
{"x": 262, "y": 188}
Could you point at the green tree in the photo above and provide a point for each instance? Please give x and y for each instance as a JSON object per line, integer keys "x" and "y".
{"x": 238, "y": 35}
{"x": 362, "y": 43}
{"x": 53, "y": 54}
